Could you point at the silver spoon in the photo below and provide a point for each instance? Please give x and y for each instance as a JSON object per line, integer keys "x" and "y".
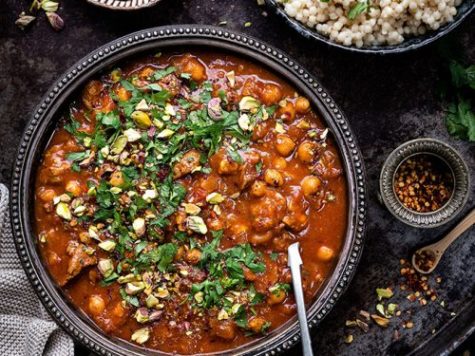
{"x": 435, "y": 251}
{"x": 294, "y": 263}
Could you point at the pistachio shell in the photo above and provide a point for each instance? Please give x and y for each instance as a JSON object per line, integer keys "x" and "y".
{"x": 62, "y": 209}
{"x": 107, "y": 245}
{"x": 248, "y": 103}
{"x": 196, "y": 224}
{"x": 141, "y": 336}
{"x": 141, "y": 119}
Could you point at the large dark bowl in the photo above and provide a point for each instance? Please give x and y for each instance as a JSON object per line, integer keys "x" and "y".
{"x": 412, "y": 43}
{"x": 181, "y": 38}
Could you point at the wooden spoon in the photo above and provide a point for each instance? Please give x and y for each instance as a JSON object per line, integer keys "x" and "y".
{"x": 435, "y": 251}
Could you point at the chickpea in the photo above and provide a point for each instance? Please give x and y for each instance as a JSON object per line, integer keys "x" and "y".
{"x": 84, "y": 237}
{"x": 276, "y": 296}
{"x": 310, "y": 185}
{"x": 306, "y": 151}
{"x": 195, "y": 68}
{"x": 258, "y": 189}
{"x": 119, "y": 310}
{"x": 271, "y": 94}
{"x": 287, "y": 112}
{"x": 96, "y": 305}
{"x": 284, "y": 145}
{"x": 116, "y": 179}
{"x": 302, "y": 105}
{"x": 73, "y": 187}
{"x": 256, "y": 324}
{"x": 47, "y": 195}
{"x": 227, "y": 167}
{"x": 257, "y": 239}
{"x": 325, "y": 253}
{"x": 273, "y": 178}
{"x": 279, "y": 163}
{"x": 146, "y": 73}
{"x": 180, "y": 253}
{"x": 122, "y": 93}
{"x": 193, "y": 256}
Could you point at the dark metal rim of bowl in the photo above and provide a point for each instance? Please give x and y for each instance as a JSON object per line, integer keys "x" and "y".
{"x": 410, "y": 44}
{"x": 43, "y": 121}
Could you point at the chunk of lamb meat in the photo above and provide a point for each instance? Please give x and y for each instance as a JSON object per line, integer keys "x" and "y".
{"x": 267, "y": 212}
{"x": 78, "y": 261}
{"x": 296, "y": 218}
{"x": 171, "y": 83}
{"x": 189, "y": 162}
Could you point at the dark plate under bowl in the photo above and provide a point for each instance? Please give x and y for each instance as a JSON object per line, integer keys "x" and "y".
{"x": 412, "y": 43}
{"x": 180, "y": 38}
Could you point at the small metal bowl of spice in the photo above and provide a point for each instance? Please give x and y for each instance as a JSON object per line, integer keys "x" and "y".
{"x": 424, "y": 183}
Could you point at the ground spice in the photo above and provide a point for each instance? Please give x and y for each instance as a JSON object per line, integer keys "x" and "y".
{"x": 423, "y": 183}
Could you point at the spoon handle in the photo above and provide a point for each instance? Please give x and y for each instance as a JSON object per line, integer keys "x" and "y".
{"x": 458, "y": 230}
{"x": 294, "y": 263}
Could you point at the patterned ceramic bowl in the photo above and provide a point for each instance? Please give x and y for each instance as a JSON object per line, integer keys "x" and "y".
{"x": 445, "y": 153}
{"x": 124, "y": 4}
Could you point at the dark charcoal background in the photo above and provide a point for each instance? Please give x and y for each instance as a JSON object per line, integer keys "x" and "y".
{"x": 387, "y": 100}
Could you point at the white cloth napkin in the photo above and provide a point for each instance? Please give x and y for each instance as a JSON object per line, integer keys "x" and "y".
{"x": 26, "y": 329}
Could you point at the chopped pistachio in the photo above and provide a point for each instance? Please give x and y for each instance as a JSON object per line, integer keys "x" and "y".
{"x": 62, "y": 209}
{"x": 141, "y": 315}
{"x": 115, "y": 75}
{"x": 42, "y": 237}
{"x": 165, "y": 133}
{"x": 279, "y": 128}
{"x": 196, "y": 224}
{"x": 151, "y": 301}
{"x": 106, "y": 267}
{"x": 158, "y": 123}
{"x": 384, "y": 293}
{"x": 141, "y": 336}
{"x": 142, "y": 106}
{"x": 231, "y": 76}
{"x": 191, "y": 209}
{"x": 244, "y": 122}
{"x": 141, "y": 119}
{"x": 78, "y": 211}
{"x": 149, "y": 195}
{"x": 217, "y": 209}
{"x": 199, "y": 297}
{"x": 91, "y": 191}
{"x": 115, "y": 190}
{"x": 214, "y": 109}
{"x": 380, "y": 309}
{"x": 133, "y": 288}
{"x": 391, "y": 309}
{"x": 223, "y": 315}
{"x": 87, "y": 142}
{"x": 248, "y": 103}
{"x": 214, "y": 198}
{"x": 107, "y": 245}
{"x": 169, "y": 110}
{"x": 348, "y": 339}
{"x": 139, "y": 226}
{"x": 65, "y": 198}
{"x": 93, "y": 232}
{"x": 119, "y": 144}
{"x": 381, "y": 321}
{"x": 235, "y": 308}
{"x": 162, "y": 292}
{"x": 126, "y": 279}
{"x": 132, "y": 135}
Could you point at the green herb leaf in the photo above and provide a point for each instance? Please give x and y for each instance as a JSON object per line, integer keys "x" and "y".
{"x": 358, "y": 9}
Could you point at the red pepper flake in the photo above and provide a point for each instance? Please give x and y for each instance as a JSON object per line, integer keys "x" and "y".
{"x": 423, "y": 183}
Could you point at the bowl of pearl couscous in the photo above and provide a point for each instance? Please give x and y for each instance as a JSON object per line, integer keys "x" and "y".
{"x": 377, "y": 26}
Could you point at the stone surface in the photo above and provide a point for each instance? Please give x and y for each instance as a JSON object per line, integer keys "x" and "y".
{"x": 387, "y": 100}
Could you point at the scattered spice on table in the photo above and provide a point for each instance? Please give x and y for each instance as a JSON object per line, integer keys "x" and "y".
{"x": 423, "y": 183}
{"x": 50, "y": 9}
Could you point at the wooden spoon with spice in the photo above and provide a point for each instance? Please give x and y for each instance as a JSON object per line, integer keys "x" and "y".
{"x": 426, "y": 259}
